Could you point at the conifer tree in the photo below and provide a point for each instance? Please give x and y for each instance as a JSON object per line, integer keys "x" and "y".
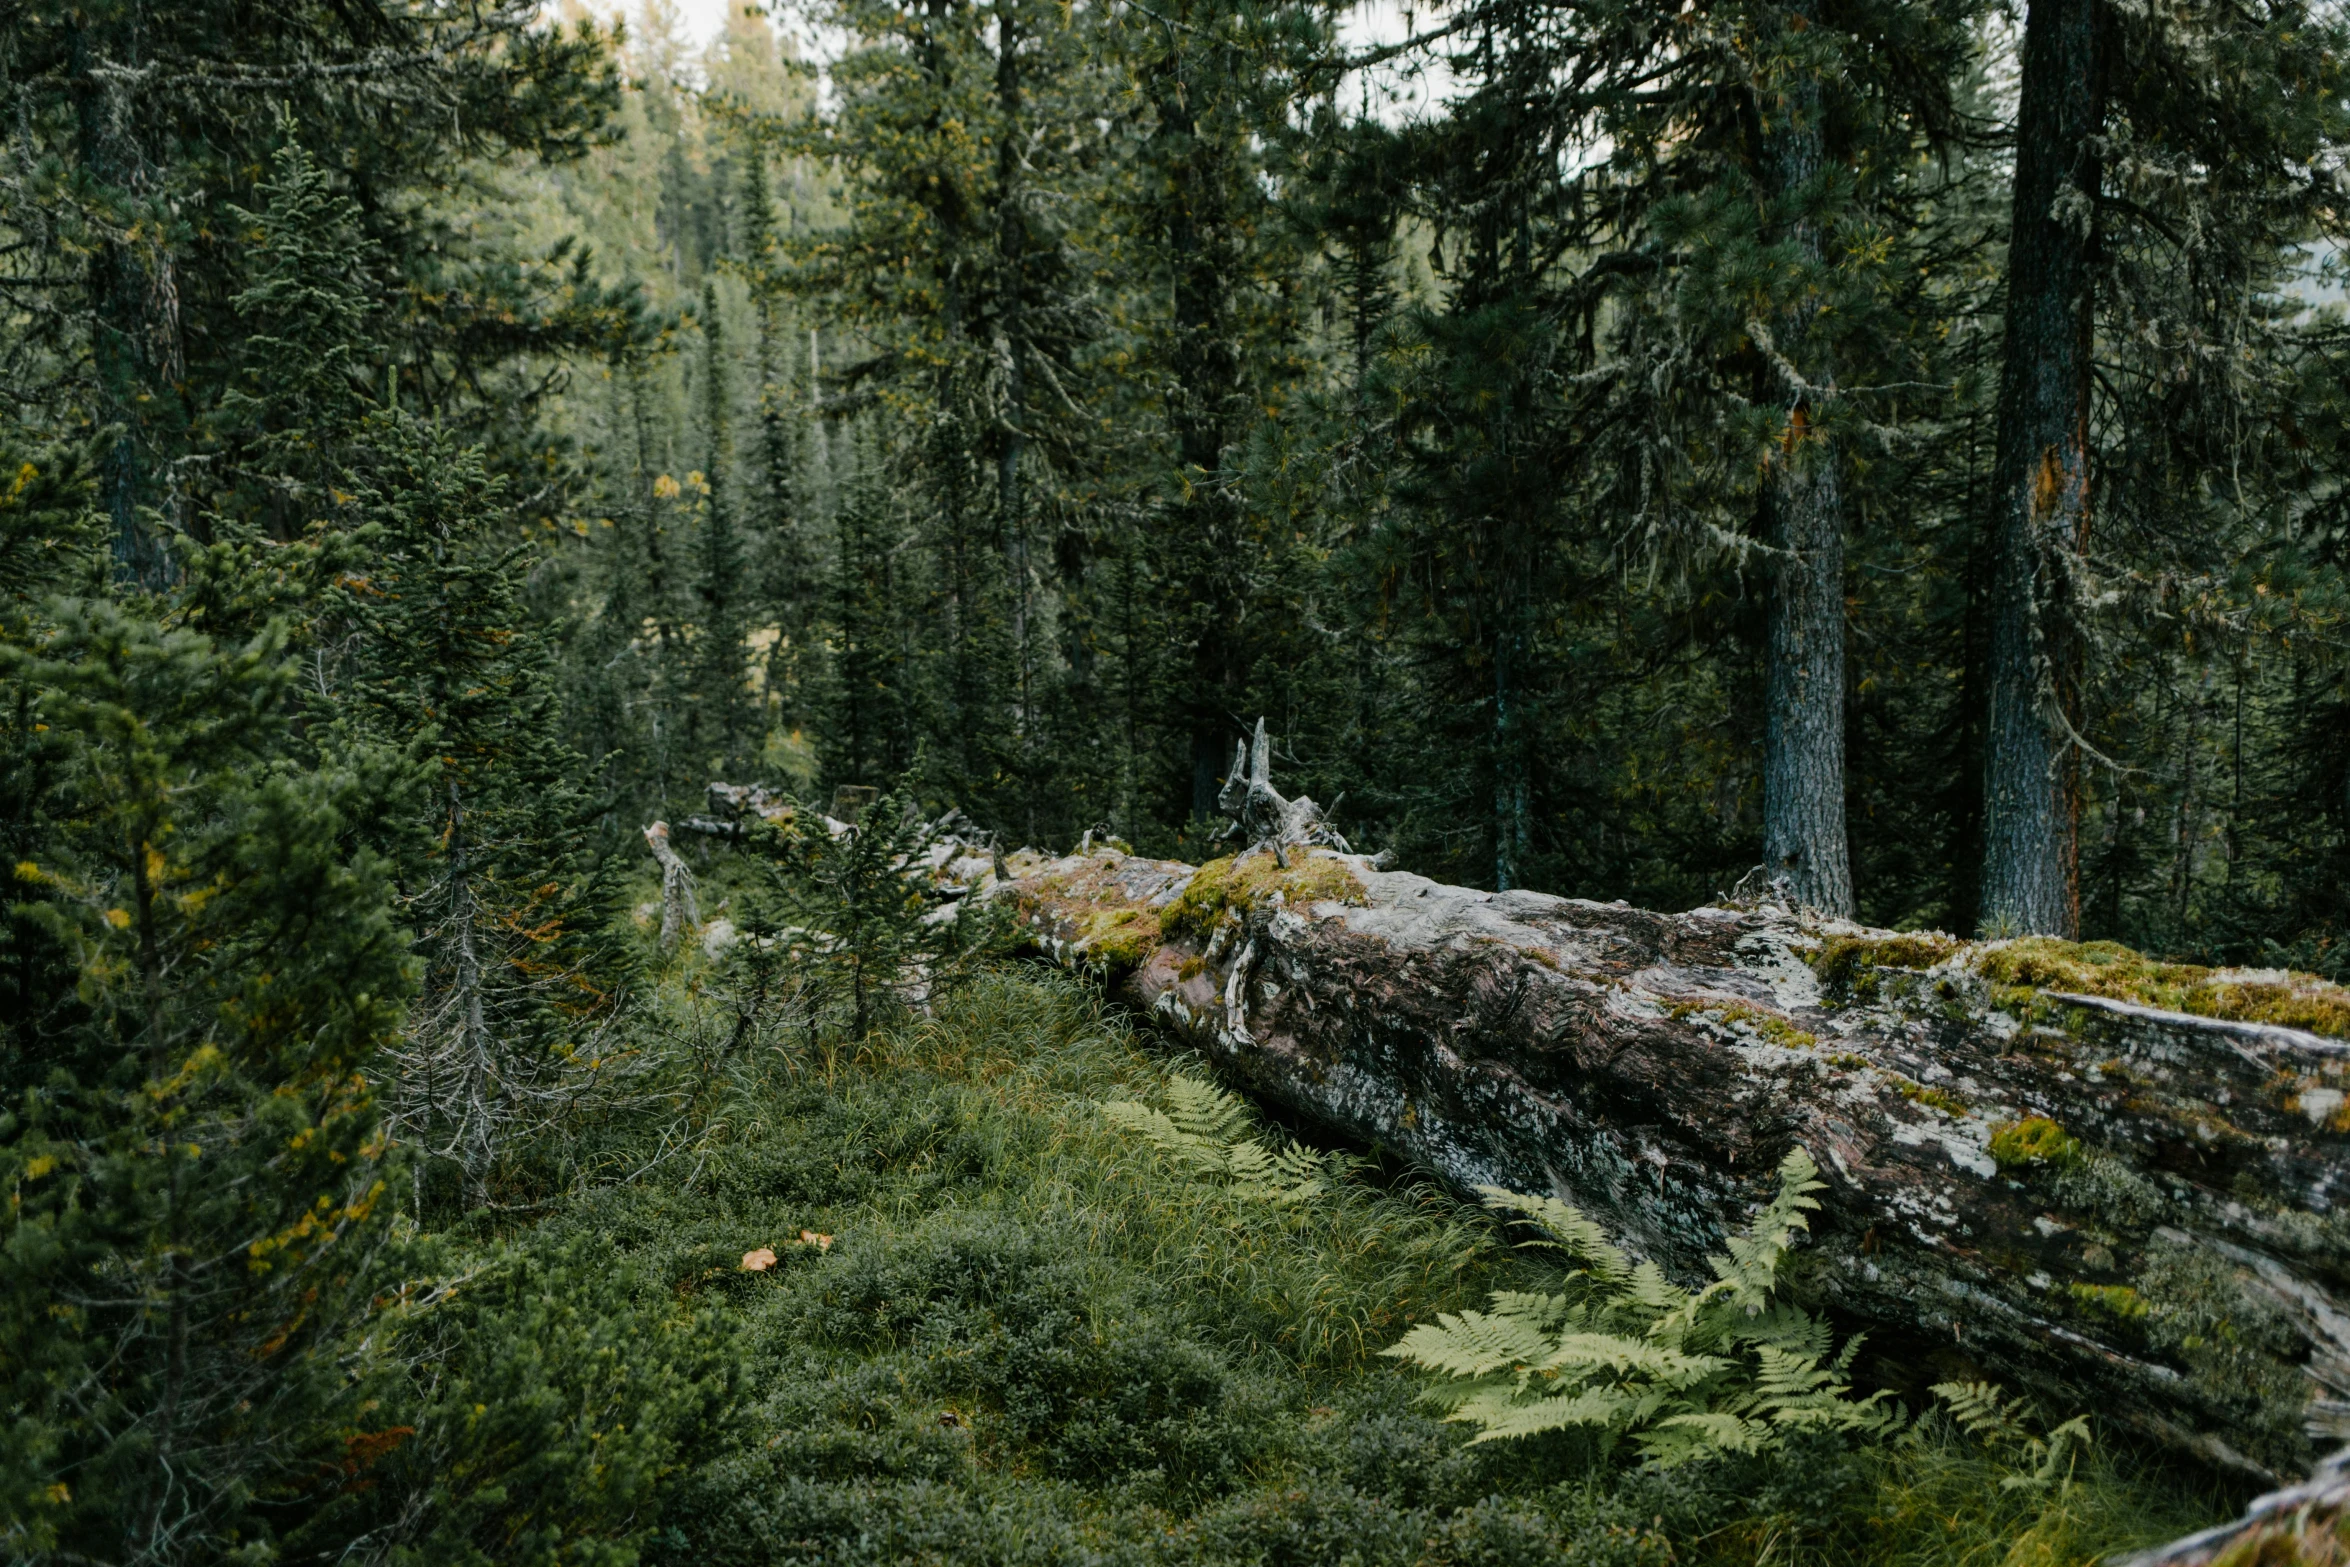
{"x": 1218, "y": 78}
{"x": 511, "y": 917}
{"x": 160, "y": 117}
{"x": 2040, "y": 479}
{"x": 195, "y": 1169}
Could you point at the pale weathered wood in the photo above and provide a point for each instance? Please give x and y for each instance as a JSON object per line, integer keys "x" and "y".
{"x": 2181, "y": 1266}
{"x": 681, "y": 914}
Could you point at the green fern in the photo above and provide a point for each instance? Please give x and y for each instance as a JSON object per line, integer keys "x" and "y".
{"x": 1997, "y": 1421}
{"x": 1682, "y": 1373}
{"x": 1206, "y": 1131}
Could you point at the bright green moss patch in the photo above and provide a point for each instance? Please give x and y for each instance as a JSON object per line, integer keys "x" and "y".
{"x": 2108, "y": 969}
{"x": 1940, "y": 1098}
{"x": 1251, "y": 881}
{"x": 2118, "y": 1301}
{"x": 1119, "y": 938}
{"x": 1845, "y": 964}
{"x": 1770, "y": 1025}
{"x": 2034, "y": 1141}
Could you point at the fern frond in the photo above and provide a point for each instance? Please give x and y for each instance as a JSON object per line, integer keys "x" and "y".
{"x": 2056, "y": 1457}
{"x": 1501, "y": 1416}
{"x": 1204, "y": 1111}
{"x": 1980, "y": 1408}
{"x": 1784, "y": 1377}
{"x": 1677, "y": 1439}
{"x": 1752, "y": 1267}
{"x": 1787, "y": 1330}
{"x": 1686, "y": 1372}
{"x": 1204, "y": 1130}
{"x": 1593, "y": 1352}
{"x": 1473, "y": 1344}
{"x": 1571, "y": 1230}
{"x": 1162, "y": 1133}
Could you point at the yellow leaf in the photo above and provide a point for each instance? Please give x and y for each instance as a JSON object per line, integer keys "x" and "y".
{"x": 120, "y": 919}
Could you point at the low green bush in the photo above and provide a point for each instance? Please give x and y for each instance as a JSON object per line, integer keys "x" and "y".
{"x": 1049, "y": 1333}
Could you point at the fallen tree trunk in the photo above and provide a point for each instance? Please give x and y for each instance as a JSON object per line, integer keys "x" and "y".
{"x": 2109, "y": 1182}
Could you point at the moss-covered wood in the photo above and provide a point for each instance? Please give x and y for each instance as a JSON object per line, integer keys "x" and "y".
{"x": 2062, "y": 1166}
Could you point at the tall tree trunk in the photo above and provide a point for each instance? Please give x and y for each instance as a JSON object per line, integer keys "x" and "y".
{"x": 2040, "y": 481}
{"x": 1195, "y": 231}
{"x": 1803, "y": 728}
{"x": 125, "y": 302}
{"x": 1012, "y": 349}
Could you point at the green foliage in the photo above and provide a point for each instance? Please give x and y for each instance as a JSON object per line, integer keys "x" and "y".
{"x": 1205, "y": 1130}
{"x": 857, "y": 907}
{"x": 1990, "y": 1417}
{"x": 511, "y": 917}
{"x": 526, "y": 1404}
{"x": 192, "y": 1149}
{"x": 1685, "y": 1374}
{"x": 1038, "y": 1339}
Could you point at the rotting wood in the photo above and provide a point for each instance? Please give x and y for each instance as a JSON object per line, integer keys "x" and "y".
{"x": 680, "y": 913}
{"x": 2115, "y": 1206}
{"x": 2119, "y": 1208}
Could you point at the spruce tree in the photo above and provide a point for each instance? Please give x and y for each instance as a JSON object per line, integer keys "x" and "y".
{"x": 144, "y": 125}
{"x": 195, "y": 1169}
{"x": 511, "y": 916}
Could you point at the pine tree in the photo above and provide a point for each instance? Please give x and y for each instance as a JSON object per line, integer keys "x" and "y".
{"x": 196, "y": 1170}
{"x": 512, "y": 919}
{"x": 144, "y": 125}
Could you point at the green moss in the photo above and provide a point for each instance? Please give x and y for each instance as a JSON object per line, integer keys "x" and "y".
{"x": 1773, "y": 1028}
{"x": 2108, "y": 969}
{"x": 2239, "y": 1348}
{"x": 1251, "y": 882}
{"x": 2118, "y": 1301}
{"x": 1940, "y": 1098}
{"x": 1119, "y": 939}
{"x": 1847, "y": 964}
{"x": 2034, "y": 1141}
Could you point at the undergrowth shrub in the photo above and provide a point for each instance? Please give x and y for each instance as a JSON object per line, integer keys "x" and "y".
{"x": 529, "y": 1402}
{"x": 1050, "y": 1335}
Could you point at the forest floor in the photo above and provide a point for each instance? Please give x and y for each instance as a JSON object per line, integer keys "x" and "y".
{"x": 1000, "y": 1328}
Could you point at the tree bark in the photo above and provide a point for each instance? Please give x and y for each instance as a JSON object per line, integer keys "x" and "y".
{"x": 2121, "y": 1208}
{"x": 130, "y": 308}
{"x": 1803, "y": 730}
{"x": 2040, "y": 481}
{"x": 1012, "y": 349}
{"x": 1195, "y": 224}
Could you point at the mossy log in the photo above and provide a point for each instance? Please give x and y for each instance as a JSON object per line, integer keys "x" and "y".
{"x": 2113, "y": 1183}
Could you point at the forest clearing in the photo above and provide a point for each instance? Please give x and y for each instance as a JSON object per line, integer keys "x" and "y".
{"x": 1257, "y": 783}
